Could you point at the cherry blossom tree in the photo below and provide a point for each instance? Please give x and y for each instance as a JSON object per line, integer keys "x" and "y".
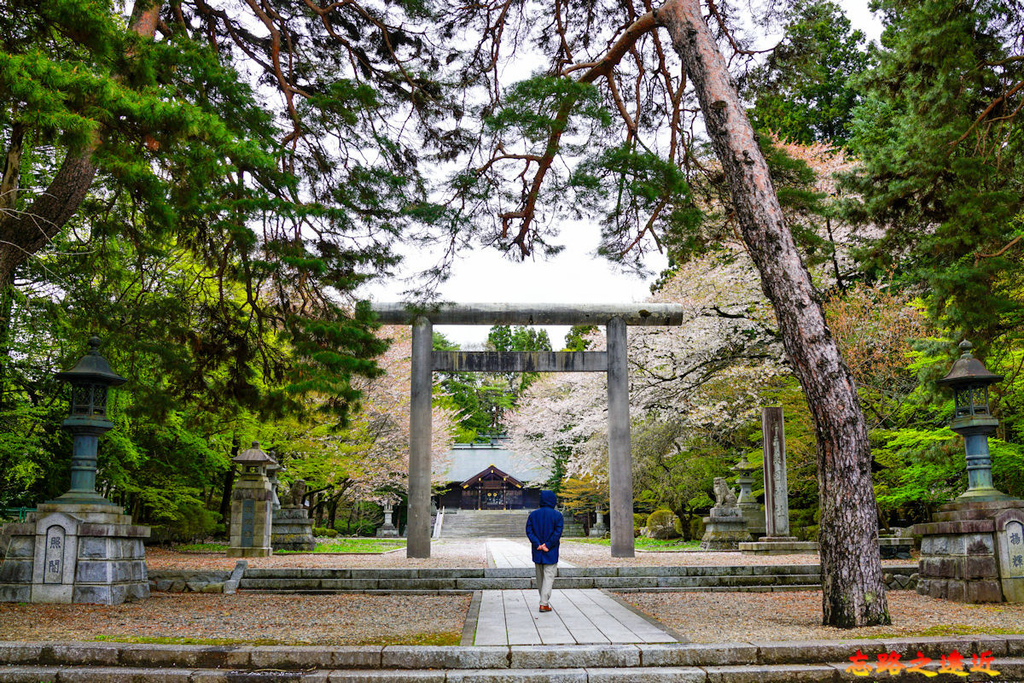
{"x": 369, "y": 461}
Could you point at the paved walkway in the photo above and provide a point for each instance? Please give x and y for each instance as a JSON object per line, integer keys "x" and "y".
{"x": 506, "y": 553}
{"x": 579, "y": 617}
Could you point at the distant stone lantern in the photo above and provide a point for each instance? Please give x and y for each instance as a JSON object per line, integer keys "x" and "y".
{"x": 90, "y": 381}
{"x": 970, "y": 379}
{"x": 252, "y": 505}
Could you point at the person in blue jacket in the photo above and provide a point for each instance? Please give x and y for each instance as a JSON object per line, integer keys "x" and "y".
{"x": 544, "y": 529}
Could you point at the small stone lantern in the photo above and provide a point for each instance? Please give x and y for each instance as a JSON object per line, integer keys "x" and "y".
{"x": 746, "y": 501}
{"x": 970, "y": 379}
{"x": 90, "y": 380}
{"x": 252, "y": 505}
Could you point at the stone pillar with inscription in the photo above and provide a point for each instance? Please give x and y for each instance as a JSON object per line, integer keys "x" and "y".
{"x": 79, "y": 547}
{"x": 776, "y": 540}
{"x": 252, "y": 505}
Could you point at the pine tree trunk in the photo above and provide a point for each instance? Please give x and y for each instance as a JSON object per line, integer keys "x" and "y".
{"x": 853, "y": 593}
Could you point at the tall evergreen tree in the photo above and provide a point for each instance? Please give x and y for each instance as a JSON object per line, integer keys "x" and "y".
{"x": 803, "y": 91}
{"x": 943, "y": 158}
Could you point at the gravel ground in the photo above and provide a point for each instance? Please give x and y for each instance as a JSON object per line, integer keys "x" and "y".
{"x": 264, "y": 619}
{"x": 363, "y": 619}
{"x": 472, "y": 552}
{"x": 725, "y": 617}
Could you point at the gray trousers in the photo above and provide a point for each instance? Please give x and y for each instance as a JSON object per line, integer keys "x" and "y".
{"x": 546, "y": 574}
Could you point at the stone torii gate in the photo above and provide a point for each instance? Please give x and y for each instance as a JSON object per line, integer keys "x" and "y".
{"x": 426, "y": 361}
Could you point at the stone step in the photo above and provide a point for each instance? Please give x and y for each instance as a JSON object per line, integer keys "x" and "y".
{"x": 444, "y": 580}
{"x": 512, "y": 583}
{"x": 485, "y": 524}
{"x": 764, "y": 662}
{"x": 528, "y": 572}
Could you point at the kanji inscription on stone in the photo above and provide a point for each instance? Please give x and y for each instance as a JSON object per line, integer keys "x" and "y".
{"x": 248, "y": 522}
{"x": 1015, "y": 548}
{"x": 53, "y": 562}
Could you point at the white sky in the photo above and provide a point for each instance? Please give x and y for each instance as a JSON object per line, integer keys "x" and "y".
{"x": 577, "y": 275}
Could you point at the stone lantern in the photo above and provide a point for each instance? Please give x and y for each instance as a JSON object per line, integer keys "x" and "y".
{"x": 252, "y": 505}
{"x": 970, "y": 379}
{"x": 79, "y": 547}
{"x": 973, "y": 549}
{"x": 90, "y": 380}
{"x": 746, "y": 501}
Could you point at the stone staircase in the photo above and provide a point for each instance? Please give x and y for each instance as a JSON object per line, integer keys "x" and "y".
{"x": 485, "y": 524}
{"x": 740, "y": 662}
{"x": 621, "y": 579}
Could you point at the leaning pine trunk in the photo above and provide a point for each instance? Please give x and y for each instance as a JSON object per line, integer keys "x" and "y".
{"x": 853, "y": 593}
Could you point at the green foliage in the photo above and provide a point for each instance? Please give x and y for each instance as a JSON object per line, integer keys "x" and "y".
{"x": 583, "y": 495}
{"x": 803, "y": 92}
{"x": 530, "y": 108}
{"x": 923, "y": 468}
{"x": 324, "y": 532}
{"x": 662, "y": 517}
{"x": 636, "y": 188}
{"x": 941, "y": 158}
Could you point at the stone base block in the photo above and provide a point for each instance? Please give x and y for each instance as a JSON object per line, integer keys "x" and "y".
{"x": 962, "y": 549}
{"x": 779, "y": 545}
{"x": 250, "y": 552}
{"x": 724, "y": 530}
{"x": 67, "y": 553}
{"x": 895, "y": 548}
{"x": 292, "y": 530}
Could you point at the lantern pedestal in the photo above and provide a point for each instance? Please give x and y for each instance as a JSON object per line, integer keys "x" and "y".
{"x": 79, "y": 548}
{"x": 973, "y": 552}
{"x": 75, "y": 553}
{"x": 252, "y": 502}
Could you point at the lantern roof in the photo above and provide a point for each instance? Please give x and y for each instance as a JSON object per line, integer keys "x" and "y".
{"x": 968, "y": 370}
{"x": 92, "y": 368}
{"x": 253, "y": 456}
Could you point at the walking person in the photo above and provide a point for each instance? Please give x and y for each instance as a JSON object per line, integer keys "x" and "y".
{"x": 544, "y": 529}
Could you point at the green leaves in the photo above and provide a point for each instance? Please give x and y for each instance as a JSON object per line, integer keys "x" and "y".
{"x": 536, "y": 107}
{"x": 803, "y": 92}
{"x": 942, "y": 157}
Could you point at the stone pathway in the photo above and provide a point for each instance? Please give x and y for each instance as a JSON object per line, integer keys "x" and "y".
{"x": 504, "y": 553}
{"x": 579, "y": 617}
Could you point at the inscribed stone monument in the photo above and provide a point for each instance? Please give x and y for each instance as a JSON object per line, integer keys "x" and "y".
{"x": 251, "y": 505}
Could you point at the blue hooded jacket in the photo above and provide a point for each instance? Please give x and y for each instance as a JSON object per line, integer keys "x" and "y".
{"x": 544, "y": 527}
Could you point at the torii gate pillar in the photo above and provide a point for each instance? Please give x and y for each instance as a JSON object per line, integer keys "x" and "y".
{"x": 614, "y": 362}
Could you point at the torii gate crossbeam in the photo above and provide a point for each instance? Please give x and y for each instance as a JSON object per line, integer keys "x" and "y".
{"x": 613, "y": 361}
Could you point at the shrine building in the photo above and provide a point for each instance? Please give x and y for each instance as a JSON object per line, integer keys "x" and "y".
{"x": 489, "y": 476}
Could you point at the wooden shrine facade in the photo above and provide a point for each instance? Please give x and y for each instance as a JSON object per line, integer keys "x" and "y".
{"x": 491, "y": 489}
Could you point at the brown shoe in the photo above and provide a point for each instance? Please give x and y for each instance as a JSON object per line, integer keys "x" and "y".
{"x": 545, "y": 608}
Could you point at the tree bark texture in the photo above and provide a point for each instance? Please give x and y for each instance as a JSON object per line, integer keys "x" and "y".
{"x": 853, "y": 593}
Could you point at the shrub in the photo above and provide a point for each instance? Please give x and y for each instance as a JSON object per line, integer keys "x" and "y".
{"x": 191, "y": 522}
{"x": 662, "y": 524}
{"x": 696, "y": 528}
{"x": 324, "y": 532}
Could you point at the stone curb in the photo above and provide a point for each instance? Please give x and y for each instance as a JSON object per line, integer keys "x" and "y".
{"x": 1010, "y": 671}
{"x": 297, "y": 658}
